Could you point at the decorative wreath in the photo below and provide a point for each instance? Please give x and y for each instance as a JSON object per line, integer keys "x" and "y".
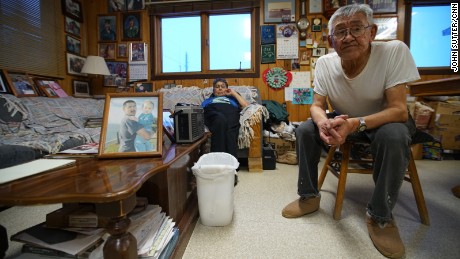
{"x": 277, "y": 77}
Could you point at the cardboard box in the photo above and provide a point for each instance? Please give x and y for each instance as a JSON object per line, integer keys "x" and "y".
{"x": 449, "y": 137}
{"x": 280, "y": 145}
{"x": 448, "y": 108}
{"x": 445, "y": 107}
{"x": 447, "y": 120}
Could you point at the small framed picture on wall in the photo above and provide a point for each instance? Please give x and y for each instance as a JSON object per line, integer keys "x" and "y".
{"x": 72, "y": 8}
{"x": 72, "y": 26}
{"x": 80, "y": 88}
{"x": 73, "y": 45}
{"x": 131, "y": 26}
{"x": 107, "y": 27}
{"x": 107, "y": 50}
{"x": 122, "y": 50}
{"x": 380, "y": 6}
{"x": 318, "y": 52}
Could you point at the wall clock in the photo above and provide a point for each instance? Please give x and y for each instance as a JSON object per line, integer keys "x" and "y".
{"x": 302, "y": 25}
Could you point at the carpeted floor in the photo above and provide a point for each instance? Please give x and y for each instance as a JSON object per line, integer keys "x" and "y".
{"x": 259, "y": 231}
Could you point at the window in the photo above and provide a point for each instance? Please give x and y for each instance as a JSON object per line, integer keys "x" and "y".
{"x": 205, "y": 44}
{"x": 31, "y": 38}
{"x": 428, "y": 30}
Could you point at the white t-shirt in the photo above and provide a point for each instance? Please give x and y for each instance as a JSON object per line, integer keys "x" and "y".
{"x": 390, "y": 64}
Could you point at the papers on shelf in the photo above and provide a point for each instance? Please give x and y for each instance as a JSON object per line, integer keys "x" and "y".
{"x": 57, "y": 239}
{"x": 32, "y": 168}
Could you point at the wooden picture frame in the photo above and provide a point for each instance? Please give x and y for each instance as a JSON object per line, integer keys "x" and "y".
{"x": 315, "y": 6}
{"x": 20, "y": 83}
{"x": 118, "y": 68}
{"x": 3, "y": 84}
{"x": 107, "y": 50}
{"x": 318, "y": 52}
{"x": 72, "y": 27}
{"x": 279, "y": 11}
{"x": 124, "y": 136}
{"x": 81, "y": 88}
{"x": 168, "y": 125}
{"x": 135, "y": 5}
{"x": 143, "y": 87}
{"x": 73, "y": 45}
{"x": 122, "y": 50}
{"x": 44, "y": 87}
{"x": 75, "y": 64}
{"x": 387, "y": 28}
{"x": 131, "y": 27}
{"x": 381, "y": 6}
{"x": 116, "y": 6}
{"x": 107, "y": 27}
{"x": 72, "y": 8}
{"x": 330, "y": 6}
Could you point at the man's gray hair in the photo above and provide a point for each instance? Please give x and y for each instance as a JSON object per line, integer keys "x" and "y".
{"x": 350, "y": 10}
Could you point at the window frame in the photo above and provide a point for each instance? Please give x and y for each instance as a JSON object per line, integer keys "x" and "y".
{"x": 407, "y": 33}
{"x": 156, "y": 47}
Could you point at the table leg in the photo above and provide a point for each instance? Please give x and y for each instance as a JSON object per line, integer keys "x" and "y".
{"x": 121, "y": 243}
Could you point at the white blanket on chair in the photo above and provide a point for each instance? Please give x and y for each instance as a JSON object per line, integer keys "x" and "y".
{"x": 250, "y": 115}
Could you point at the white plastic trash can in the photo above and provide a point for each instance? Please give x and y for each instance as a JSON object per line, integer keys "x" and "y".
{"x": 215, "y": 178}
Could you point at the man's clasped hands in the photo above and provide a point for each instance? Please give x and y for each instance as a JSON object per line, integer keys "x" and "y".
{"x": 334, "y": 131}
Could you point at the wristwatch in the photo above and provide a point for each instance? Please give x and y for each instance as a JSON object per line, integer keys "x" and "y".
{"x": 362, "y": 125}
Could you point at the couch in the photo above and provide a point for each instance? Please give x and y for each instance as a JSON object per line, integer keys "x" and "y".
{"x": 32, "y": 127}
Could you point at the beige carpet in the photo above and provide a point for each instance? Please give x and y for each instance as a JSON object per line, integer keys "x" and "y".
{"x": 259, "y": 231}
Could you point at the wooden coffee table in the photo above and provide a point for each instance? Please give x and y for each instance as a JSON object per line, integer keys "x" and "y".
{"x": 112, "y": 185}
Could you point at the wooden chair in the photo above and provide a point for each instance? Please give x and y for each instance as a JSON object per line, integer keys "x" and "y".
{"x": 338, "y": 162}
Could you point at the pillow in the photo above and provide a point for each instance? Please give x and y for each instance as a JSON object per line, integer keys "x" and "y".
{"x": 173, "y": 96}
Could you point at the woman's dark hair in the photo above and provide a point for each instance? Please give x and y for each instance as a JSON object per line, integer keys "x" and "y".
{"x": 219, "y": 80}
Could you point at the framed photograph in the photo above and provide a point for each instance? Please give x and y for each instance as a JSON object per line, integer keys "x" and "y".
{"x": 132, "y": 125}
{"x": 143, "y": 87}
{"x": 138, "y": 52}
{"x": 72, "y": 26}
{"x": 72, "y": 8}
{"x": 116, "y": 5}
{"x": 315, "y": 6}
{"x": 168, "y": 125}
{"x": 277, "y": 11}
{"x": 73, "y": 45}
{"x": 305, "y": 57}
{"x": 122, "y": 50}
{"x": 3, "y": 83}
{"x": 383, "y": 6}
{"x": 107, "y": 50}
{"x": 43, "y": 85}
{"x": 318, "y": 52}
{"x": 387, "y": 28}
{"x": 118, "y": 68}
{"x": 133, "y": 5}
{"x": 330, "y": 6}
{"x": 20, "y": 83}
{"x": 80, "y": 88}
{"x": 75, "y": 64}
{"x": 107, "y": 27}
{"x": 131, "y": 26}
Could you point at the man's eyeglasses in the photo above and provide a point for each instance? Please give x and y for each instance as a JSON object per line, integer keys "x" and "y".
{"x": 355, "y": 31}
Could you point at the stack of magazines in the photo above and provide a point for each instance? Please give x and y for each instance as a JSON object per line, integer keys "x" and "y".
{"x": 155, "y": 233}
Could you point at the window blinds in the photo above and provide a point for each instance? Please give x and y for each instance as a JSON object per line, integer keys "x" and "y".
{"x": 32, "y": 37}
